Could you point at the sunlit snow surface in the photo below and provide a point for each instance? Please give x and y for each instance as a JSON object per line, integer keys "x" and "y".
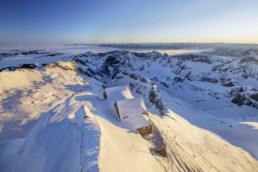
{"x": 54, "y": 102}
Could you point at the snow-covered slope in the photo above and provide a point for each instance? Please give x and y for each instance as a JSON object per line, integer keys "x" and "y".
{"x": 62, "y": 141}
{"x": 190, "y": 99}
{"x": 26, "y": 94}
{"x": 190, "y": 148}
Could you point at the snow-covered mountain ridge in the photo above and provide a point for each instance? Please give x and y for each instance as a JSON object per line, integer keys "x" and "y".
{"x": 185, "y": 72}
{"x": 189, "y": 97}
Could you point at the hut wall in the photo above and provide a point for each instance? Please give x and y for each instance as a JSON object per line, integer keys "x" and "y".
{"x": 162, "y": 151}
{"x": 145, "y": 130}
{"x": 104, "y": 95}
{"x": 117, "y": 111}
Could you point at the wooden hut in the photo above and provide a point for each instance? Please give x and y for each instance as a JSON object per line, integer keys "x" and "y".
{"x": 133, "y": 113}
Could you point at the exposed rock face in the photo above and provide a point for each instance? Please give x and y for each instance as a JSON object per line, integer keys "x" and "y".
{"x": 245, "y": 96}
{"x": 111, "y": 62}
{"x": 248, "y": 65}
{"x": 245, "y": 66}
{"x": 211, "y": 80}
{"x": 228, "y": 84}
{"x": 156, "y": 99}
{"x": 178, "y": 79}
{"x": 88, "y": 69}
{"x": 254, "y": 97}
{"x": 250, "y": 56}
{"x": 239, "y": 99}
{"x": 63, "y": 65}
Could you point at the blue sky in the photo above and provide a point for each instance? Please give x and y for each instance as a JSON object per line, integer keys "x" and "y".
{"x": 120, "y": 21}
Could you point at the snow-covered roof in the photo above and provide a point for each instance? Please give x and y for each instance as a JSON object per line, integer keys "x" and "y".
{"x": 136, "y": 121}
{"x": 118, "y": 93}
{"x": 131, "y": 107}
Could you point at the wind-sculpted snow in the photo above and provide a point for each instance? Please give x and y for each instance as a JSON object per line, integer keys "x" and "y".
{"x": 202, "y": 105}
{"x": 63, "y": 140}
{"x": 188, "y": 150}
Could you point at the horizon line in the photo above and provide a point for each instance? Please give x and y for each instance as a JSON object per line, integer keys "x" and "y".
{"x": 107, "y": 43}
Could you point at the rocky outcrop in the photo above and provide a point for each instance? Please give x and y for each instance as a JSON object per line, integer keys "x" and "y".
{"x": 88, "y": 69}
{"x": 228, "y": 84}
{"x": 211, "y": 80}
{"x": 156, "y": 99}
{"x": 245, "y": 96}
{"x": 254, "y": 96}
{"x": 250, "y": 56}
{"x": 248, "y": 65}
{"x": 70, "y": 65}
